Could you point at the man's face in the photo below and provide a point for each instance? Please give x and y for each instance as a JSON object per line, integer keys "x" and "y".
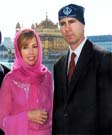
{"x": 72, "y": 30}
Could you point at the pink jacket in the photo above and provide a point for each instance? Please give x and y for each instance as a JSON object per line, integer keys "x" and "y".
{"x": 22, "y": 91}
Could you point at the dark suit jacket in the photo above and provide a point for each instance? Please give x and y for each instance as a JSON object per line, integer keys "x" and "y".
{"x": 2, "y": 75}
{"x": 84, "y": 106}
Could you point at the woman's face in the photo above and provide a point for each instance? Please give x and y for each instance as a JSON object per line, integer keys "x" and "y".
{"x": 29, "y": 51}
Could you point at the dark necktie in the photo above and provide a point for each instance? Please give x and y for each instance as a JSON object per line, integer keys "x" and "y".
{"x": 71, "y": 66}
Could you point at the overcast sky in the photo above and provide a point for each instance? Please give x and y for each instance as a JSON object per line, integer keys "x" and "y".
{"x": 98, "y": 14}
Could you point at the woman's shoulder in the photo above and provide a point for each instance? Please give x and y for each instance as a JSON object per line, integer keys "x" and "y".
{"x": 49, "y": 73}
{"x": 11, "y": 74}
{"x": 47, "y": 76}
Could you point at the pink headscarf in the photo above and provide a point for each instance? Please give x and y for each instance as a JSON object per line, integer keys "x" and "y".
{"x": 33, "y": 71}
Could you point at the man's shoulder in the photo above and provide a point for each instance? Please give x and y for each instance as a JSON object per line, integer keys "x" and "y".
{"x": 103, "y": 56}
{"x": 5, "y": 68}
{"x": 102, "y": 53}
{"x": 61, "y": 60}
{"x": 97, "y": 49}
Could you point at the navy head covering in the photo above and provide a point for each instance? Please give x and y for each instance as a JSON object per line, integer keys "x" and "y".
{"x": 0, "y": 37}
{"x": 73, "y": 11}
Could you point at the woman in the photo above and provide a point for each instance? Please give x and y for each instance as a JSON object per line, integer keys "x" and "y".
{"x": 26, "y": 92}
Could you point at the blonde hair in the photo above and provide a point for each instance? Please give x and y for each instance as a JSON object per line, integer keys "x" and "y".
{"x": 24, "y": 37}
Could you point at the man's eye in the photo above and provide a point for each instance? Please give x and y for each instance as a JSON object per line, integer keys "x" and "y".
{"x": 72, "y": 21}
{"x": 62, "y": 24}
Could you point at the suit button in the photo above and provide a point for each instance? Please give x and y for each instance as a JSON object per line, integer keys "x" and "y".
{"x": 66, "y": 115}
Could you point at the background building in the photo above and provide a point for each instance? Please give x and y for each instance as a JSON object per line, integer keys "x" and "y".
{"x": 53, "y": 43}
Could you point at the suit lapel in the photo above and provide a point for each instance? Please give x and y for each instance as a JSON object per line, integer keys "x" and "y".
{"x": 81, "y": 66}
{"x": 64, "y": 75}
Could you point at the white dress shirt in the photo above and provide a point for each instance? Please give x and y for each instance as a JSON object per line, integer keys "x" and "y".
{"x": 77, "y": 52}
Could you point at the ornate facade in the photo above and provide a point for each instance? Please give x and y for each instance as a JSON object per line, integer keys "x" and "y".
{"x": 50, "y": 35}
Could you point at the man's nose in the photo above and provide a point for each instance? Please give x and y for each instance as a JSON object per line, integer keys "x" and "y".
{"x": 67, "y": 27}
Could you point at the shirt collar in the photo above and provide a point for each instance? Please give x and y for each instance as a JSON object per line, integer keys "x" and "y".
{"x": 78, "y": 50}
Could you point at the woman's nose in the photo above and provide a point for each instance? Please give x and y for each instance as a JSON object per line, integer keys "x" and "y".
{"x": 31, "y": 50}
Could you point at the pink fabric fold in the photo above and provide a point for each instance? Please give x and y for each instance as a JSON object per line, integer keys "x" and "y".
{"x": 16, "y": 124}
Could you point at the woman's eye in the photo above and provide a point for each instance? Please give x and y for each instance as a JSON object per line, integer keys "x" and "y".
{"x": 25, "y": 47}
{"x": 35, "y": 46}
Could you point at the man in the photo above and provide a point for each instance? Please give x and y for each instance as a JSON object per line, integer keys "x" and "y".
{"x": 82, "y": 99}
{"x": 3, "y": 71}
